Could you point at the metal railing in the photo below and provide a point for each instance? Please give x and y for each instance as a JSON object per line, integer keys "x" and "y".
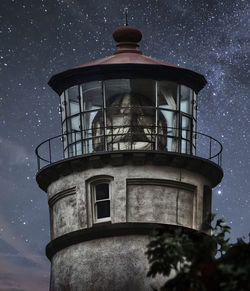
{"x": 129, "y": 138}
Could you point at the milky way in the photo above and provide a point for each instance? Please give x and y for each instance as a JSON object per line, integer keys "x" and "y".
{"x": 41, "y": 38}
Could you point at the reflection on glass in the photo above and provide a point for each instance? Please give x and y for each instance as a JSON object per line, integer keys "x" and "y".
{"x": 75, "y": 123}
{"x": 186, "y": 134}
{"x": 130, "y": 128}
{"x": 130, "y": 121}
{"x": 75, "y": 136}
{"x": 74, "y": 149}
{"x": 121, "y": 114}
{"x": 194, "y": 105}
{"x": 73, "y": 100}
{"x": 74, "y": 107}
{"x": 93, "y": 127}
{"x": 168, "y": 128}
{"x": 186, "y": 99}
{"x": 73, "y": 93}
{"x": 186, "y": 127}
{"x": 167, "y": 95}
{"x": 185, "y": 146}
{"x": 194, "y": 123}
{"x": 92, "y": 95}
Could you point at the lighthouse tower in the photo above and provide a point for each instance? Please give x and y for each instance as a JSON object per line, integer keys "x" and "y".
{"x": 129, "y": 160}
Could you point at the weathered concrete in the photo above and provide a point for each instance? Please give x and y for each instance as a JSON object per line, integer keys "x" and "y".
{"x": 139, "y": 194}
{"x": 152, "y": 201}
{"x": 117, "y": 264}
{"x": 53, "y": 172}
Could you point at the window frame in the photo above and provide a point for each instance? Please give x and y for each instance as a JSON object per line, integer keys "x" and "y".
{"x": 94, "y": 202}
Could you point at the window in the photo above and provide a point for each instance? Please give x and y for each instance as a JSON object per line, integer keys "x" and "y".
{"x": 101, "y": 201}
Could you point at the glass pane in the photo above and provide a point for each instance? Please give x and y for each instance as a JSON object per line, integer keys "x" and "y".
{"x": 92, "y": 95}
{"x": 130, "y": 128}
{"x": 172, "y": 144}
{"x": 194, "y": 106}
{"x": 185, "y": 147}
{"x": 167, "y": 95}
{"x": 65, "y": 136}
{"x": 102, "y": 191}
{"x": 73, "y": 100}
{"x": 75, "y": 123}
{"x": 186, "y": 127}
{"x": 130, "y": 93}
{"x": 186, "y": 99}
{"x": 92, "y": 127}
{"x": 117, "y": 92}
{"x": 103, "y": 209}
{"x": 70, "y": 151}
{"x": 142, "y": 92}
{"x": 92, "y": 121}
{"x": 75, "y": 136}
{"x": 64, "y": 125}
{"x": 74, "y": 107}
{"x": 87, "y": 146}
{"x": 75, "y": 149}
{"x": 78, "y": 148}
{"x": 167, "y": 129}
{"x": 97, "y": 144}
{"x": 186, "y": 134}
{"x": 167, "y": 122}
{"x": 73, "y": 93}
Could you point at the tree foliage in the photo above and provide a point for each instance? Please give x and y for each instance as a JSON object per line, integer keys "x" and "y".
{"x": 200, "y": 262}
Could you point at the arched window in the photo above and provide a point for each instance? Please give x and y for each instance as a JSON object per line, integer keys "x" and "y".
{"x": 101, "y": 198}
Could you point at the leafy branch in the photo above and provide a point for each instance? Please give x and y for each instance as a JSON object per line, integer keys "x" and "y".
{"x": 200, "y": 262}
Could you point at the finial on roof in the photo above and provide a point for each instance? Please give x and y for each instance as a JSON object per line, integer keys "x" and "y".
{"x": 127, "y": 38}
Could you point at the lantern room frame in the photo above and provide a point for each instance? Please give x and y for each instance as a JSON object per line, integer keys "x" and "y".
{"x": 167, "y": 113}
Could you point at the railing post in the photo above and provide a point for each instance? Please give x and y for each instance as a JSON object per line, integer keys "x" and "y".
{"x": 214, "y": 154}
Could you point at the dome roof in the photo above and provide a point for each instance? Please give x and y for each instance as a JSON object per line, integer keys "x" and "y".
{"x": 127, "y": 62}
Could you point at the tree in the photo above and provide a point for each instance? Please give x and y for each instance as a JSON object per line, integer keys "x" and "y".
{"x": 198, "y": 261}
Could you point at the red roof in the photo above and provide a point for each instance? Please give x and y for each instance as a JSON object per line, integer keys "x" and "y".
{"x": 127, "y": 58}
{"x": 127, "y": 62}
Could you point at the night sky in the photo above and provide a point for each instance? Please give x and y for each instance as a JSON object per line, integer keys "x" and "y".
{"x": 41, "y": 38}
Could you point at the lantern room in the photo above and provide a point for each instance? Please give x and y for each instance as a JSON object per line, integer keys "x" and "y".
{"x": 128, "y": 114}
{"x": 128, "y": 102}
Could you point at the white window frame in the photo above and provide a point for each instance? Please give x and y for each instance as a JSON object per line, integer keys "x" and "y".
{"x": 94, "y": 202}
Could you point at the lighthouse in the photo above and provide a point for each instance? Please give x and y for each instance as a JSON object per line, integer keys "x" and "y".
{"x": 129, "y": 160}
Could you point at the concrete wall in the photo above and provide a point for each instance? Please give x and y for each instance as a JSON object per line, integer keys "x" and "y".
{"x": 153, "y": 194}
{"x": 110, "y": 264}
{"x": 160, "y": 204}
{"x": 138, "y": 194}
